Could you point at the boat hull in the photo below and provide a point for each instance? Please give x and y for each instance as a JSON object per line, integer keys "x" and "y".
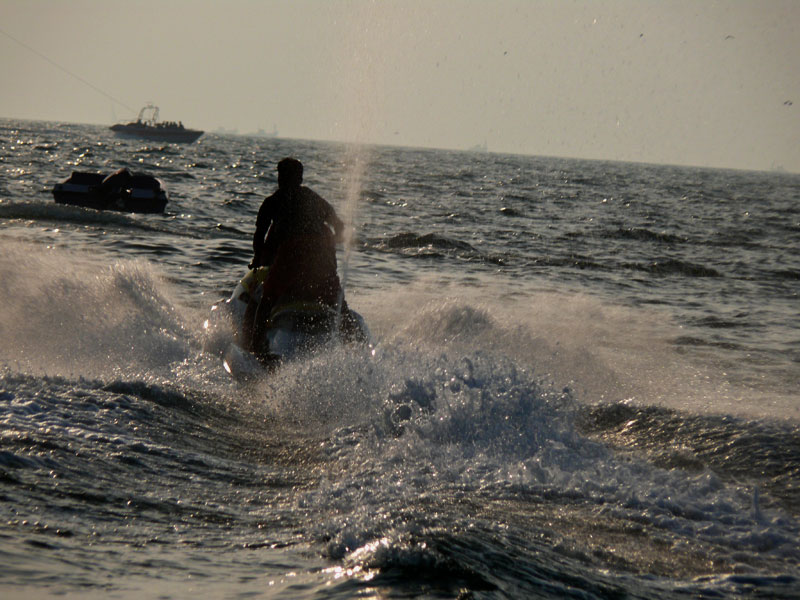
{"x": 159, "y": 134}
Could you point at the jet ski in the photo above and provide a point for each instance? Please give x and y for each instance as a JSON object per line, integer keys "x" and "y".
{"x": 293, "y": 330}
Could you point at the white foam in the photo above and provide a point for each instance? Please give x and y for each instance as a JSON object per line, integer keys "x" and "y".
{"x": 479, "y": 422}
{"x": 603, "y": 350}
{"x": 66, "y": 313}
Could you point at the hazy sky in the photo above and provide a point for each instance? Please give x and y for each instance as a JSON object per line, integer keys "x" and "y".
{"x": 700, "y": 83}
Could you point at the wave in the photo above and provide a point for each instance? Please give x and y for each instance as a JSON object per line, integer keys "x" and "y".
{"x": 644, "y": 235}
{"x": 673, "y": 266}
{"x": 714, "y": 322}
{"x": 440, "y": 460}
{"x": 59, "y": 213}
{"x": 473, "y": 433}
{"x": 787, "y": 274}
{"x": 764, "y": 453}
{"x": 429, "y": 246}
{"x": 66, "y": 313}
{"x": 510, "y": 212}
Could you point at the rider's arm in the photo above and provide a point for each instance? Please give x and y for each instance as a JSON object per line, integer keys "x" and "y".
{"x": 263, "y": 221}
{"x": 331, "y": 218}
{"x": 338, "y": 226}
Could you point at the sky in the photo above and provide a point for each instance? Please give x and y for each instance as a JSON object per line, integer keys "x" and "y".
{"x": 692, "y": 82}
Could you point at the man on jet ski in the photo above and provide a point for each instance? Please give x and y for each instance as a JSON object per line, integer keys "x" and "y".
{"x": 294, "y": 238}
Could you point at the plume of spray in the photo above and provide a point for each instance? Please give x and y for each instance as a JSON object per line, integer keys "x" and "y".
{"x": 361, "y": 77}
{"x": 353, "y": 184}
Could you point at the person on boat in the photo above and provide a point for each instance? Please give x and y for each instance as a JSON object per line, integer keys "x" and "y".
{"x": 296, "y": 234}
{"x": 113, "y": 185}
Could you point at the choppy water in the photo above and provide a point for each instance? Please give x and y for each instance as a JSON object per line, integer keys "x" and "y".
{"x": 600, "y": 362}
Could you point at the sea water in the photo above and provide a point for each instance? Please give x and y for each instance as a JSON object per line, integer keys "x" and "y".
{"x": 584, "y": 381}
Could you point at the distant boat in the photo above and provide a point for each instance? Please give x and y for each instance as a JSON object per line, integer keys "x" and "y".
{"x": 151, "y": 128}
{"x": 480, "y": 148}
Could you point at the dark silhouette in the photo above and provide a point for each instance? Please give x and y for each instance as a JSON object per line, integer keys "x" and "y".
{"x": 296, "y": 235}
{"x": 121, "y": 190}
{"x": 116, "y": 182}
{"x": 150, "y": 128}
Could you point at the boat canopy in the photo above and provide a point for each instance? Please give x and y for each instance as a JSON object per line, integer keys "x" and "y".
{"x": 153, "y": 115}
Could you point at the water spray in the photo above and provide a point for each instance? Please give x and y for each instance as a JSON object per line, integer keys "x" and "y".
{"x": 354, "y": 179}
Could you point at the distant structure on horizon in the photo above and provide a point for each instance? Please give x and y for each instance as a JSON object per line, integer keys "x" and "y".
{"x": 223, "y": 131}
{"x": 265, "y": 134}
{"x": 479, "y": 148}
{"x": 151, "y": 128}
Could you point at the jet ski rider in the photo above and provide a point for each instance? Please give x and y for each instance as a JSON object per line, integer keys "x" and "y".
{"x": 293, "y": 237}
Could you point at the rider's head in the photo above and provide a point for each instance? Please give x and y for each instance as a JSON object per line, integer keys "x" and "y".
{"x": 290, "y": 173}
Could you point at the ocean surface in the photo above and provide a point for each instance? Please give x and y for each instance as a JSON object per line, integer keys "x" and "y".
{"x": 585, "y": 381}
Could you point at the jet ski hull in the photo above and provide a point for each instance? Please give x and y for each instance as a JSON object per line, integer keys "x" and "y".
{"x": 294, "y": 330}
